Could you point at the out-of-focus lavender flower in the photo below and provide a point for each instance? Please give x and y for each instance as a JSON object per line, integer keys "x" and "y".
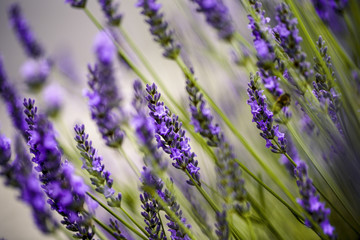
{"x": 218, "y": 16}
{"x": 310, "y": 201}
{"x": 54, "y": 99}
{"x": 12, "y": 100}
{"x": 92, "y": 163}
{"x": 77, "y": 3}
{"x": 292, "y": 151}
{"x": 65, "y": 190}
{"x": 288, "y": 35}
{"x": 264, "y": 48}
{"x": 32, "y": 47}
{"x": 114, "y": 225}
{"x": 104, "y": 99}
{"x": 232, "y": 184}
{"x": 263, "y": 118}
{"x": 222, "y": 226}
{"x": 110, "y": 10}
{"x": 197, "y": 209}
{"x": 158, "y": 27}
{"x": 144, "y": 128}
{"x": 35, "y": 72}
{"x": 323, "y": 87}
{"x": 6, "y": 168}
{"x": 171, "y": 137}
{"x": 154, "y": 185}
{"x": 19, "y": 174}
{"x": 323, "y": 9}
{"x": 339, "y": 5}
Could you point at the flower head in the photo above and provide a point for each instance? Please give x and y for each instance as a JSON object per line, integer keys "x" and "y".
{"x": 158, "y": 27}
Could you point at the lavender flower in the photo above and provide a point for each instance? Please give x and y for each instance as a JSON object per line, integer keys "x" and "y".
{"x": 217, "y": 15}
{"x": 104, "y": 99}
{"x": 144, "y": 129}
{"x": 323, "y": 87}
{"x": 264, "y": 48}
{"x": 114, "y": 225}
{"x": 154, "y": 185}
{"x": 263, "y": 118}
{"x": 323, "y": 9}
{"x": 109, "y": 9}
{"x": 35, "y": 72}
{"x": 151, "y": 217}
{"x": 288, "y": 35}
{"x": 77, "y": 3}
{"x": 32, "y": 47}
{"x": 7, "y": 169}
{"x": 158, "y": 27}
{"x": 54, "y": 98}
{"x": 12, "y": 100}
{"x": 19, "y": 174}
{"x": 310, "y": 201}
{"x": 65, "y": 190}
{"x": 171, "y": 137}
{"x": 339, "y": 5}
{"x": 92, "y": 163}
{"x": 222, "y": 226}
{"x": 231, "y": 181}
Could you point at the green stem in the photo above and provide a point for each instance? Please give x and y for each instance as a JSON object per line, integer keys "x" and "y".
{"x": 135, "y": 222}
{"x": 127, "y": 159}
{"x": 251, "y": 229}
{"x": 116, "y": 216}
{"x": 292, "y": 210}
{"x": 211, "y": 203}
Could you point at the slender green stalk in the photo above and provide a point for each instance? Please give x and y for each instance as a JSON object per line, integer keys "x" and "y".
{"x": 211, "y": 203}
{"x": 135, "y": 222}
{"x": 291, "y": 209}
{"x": 127, "y": 159}
{"x": 117, "y": 217}
{"x": 251, "y": 229}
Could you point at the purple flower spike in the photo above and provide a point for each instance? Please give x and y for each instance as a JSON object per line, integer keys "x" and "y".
{"x": 263, "y": 118}
{"x": 109, "y": 9}
{"x": 32, "y": 47}
{"x": 323, "y": 87}
{"x": 170, "y": 136}
{"x": 310, "y": 201}
{"x": 218, "y": 16}
{"x": 104, "y": 99}
{"x": 13, "y": 101}
{"x": 66, "y": 191}
{"x": 35, "y": 72}
{"x": 77, "y": 3}
{"x": 158, "y": 27}
{"x": 265, "y": 49}
{"x": 288, "y": 35}
{"x": 229, "y": 171}
{"x": 145, "y": 128}
{"x": 19, "y": 174}
{"x": 92, "y": 163}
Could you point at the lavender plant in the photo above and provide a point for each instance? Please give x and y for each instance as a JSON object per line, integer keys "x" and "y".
{"x": 302, "y": 58}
